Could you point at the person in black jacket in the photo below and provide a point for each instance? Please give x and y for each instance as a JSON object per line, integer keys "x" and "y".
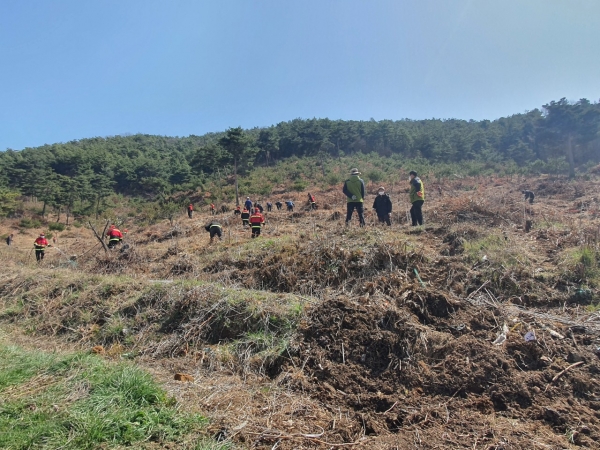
{"x": 529, "y": 195}
{"x": 214, "y": 228}
{"x": 383, "y": 206}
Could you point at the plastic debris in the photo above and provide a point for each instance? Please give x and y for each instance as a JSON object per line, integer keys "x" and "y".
{"x": 530, "y": 336}
{"x": 502, "y": 336}
{"x": 500, "y": 339}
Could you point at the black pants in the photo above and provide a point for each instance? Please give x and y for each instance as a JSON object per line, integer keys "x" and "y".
{"x": 384, "y": 218}
{"x": 290, "y": 208}
{"x": 190, "y": 212}
{"x": 530, "y": 196}
{"x": 245, "y": 222}
{"x": 416, "y": 214}
{"x": 350, "y": 207}
{"x": 269, "y": 208}
{"x": 278, "y": 207}
{"x": 215, "y": 231}
{"x": 113, "y": 243}
{"x": 39, "y": 255}
{"x": 255, "y": 231}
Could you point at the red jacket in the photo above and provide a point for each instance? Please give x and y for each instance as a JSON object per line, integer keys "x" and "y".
{"x": 115, "y": 234}
{"x": 190, "y": 208}
{"x": 257, "y": 219}
{"x": 41, "y": 242}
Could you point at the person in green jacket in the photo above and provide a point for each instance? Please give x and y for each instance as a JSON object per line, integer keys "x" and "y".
{"x": 354, "y": 189}
{"x": 417, "y": 198}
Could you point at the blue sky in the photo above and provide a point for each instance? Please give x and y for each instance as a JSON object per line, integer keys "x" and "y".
{"x": 77, "y": 69}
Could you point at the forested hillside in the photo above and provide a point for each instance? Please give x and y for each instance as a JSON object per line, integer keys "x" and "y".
{"x": 557, "y": 138}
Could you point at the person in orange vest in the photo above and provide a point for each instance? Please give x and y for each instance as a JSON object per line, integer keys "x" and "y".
{"x": 212, "y": 209}
{"x": 245, "y": 217}
{"x": 237, "y": 211}
{"x": 256, "y": 222}
{"x": 190, "y": 210}
{"x": 40, "y": 245}
{"x": 114, "y": 237}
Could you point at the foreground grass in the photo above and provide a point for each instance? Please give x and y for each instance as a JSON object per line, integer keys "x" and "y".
{"x": 80, "y": 401}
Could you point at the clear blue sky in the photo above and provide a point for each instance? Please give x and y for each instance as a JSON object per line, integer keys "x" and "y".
{"x": 73, "y": 69}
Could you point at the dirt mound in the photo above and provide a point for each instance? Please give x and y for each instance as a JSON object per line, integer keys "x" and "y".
{"x": 382, "y": 362}
{"x": 317, "y": 266}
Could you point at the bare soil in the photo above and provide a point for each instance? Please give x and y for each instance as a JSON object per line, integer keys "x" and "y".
{"x": 405, "y": 337}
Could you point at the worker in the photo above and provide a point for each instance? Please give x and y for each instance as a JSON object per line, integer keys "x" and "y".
{"x": 290, "y": 206}
{"x": 248, "y": 204}
{"x": 212, "y": 209}
{"x": 40, "y": 245}
{"x": 354, "y": 189}
{"x": 237, "y": 211}
{"x": 279, "y": 205}
{"x": 256, "y": 222}
{"x": 417, "y": 198}
{"x": 190, "y": 210}
{"x": 9, "y": 239}
{"x": 245, "y": 217}
{"x": 383, "y": 206}
{"x": 311, "y": 201}
{"x": 114, "y": 237}
{"x": 214, "y": 228}
{"x": 529, "y": 195}
{"x": 259, "y": 207}
{"x": 269, "y": 206}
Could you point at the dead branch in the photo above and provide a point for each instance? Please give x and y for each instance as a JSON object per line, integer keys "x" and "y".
{"x": 559, "y": 374}
{"x": 100, "y": 238}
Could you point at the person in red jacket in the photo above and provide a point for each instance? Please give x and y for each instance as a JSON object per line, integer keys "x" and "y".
{"x": 190, "y": 210}
{"x": 114, "y": 237}
{"x": 311, "y": 201}
{"x": 256, "y": 222}
{"x": 40, "y": 245}
{"x": 213, "y": 211}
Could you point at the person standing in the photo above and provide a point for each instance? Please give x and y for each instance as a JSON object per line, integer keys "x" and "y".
{"x": 237, "y": 211}
{"x": 257, "y": 220}
{"x": 311, "y": 201}
{"x": 248, "y": 204}
{"x": 213, "y": 211}
{"x": 269, "y": 206}
{"x": 190, "y": 210}
{"x": 245, "y": 216}
{"x": 417, "y": 198}
{"x": 354, "y": 189}
{"x": 9, "y": 239}
{"x": 383, "y": 207}
{"x": 214, "y": 228}
{"x": 40, "y": 245}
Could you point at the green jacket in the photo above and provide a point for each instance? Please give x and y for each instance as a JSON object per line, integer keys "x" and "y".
{"x": 354, "y": 186}
{"x": 416, "y": 187}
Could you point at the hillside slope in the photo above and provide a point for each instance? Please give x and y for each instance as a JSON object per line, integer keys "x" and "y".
{"x": 317, "y": 336}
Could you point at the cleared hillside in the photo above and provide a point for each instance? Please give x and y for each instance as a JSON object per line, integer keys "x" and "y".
{"x": 319, "y": 336}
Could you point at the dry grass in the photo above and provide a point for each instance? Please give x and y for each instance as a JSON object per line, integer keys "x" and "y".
{"x": 243, "y": 316}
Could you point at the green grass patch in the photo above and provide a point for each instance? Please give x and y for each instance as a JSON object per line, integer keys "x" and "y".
{"x": 80, "y": 401}
{"x": 583, "y": 265}
{"x": 30, "y": 223}
{"x": 55, "y": 226}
